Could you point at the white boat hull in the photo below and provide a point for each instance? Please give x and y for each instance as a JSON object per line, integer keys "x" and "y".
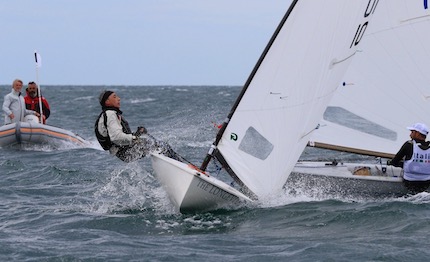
{"x": 192, "y": 190}
{"x": 347, "y": 179}
{"x": 36, "y": 133}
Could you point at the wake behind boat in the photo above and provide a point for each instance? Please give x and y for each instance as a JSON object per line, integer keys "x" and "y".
{"x": 31, "y": 132}
{"x": 278, "y": 108}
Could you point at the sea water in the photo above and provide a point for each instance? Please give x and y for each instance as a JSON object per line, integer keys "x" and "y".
{"x": 81, "y": 204}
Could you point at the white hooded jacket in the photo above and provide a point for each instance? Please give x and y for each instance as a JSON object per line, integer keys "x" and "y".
{"x": 14, "y": 103}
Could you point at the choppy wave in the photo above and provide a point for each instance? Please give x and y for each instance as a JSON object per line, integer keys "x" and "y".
{"x": 75, "y": 204}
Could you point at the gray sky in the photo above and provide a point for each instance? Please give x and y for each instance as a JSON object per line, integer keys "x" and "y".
{"x": 135, "y": 42}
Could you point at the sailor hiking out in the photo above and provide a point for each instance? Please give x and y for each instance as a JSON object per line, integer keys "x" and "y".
{"x": 114, "y": 134}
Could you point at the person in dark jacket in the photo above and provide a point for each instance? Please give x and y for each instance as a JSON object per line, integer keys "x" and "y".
{"x": 114, "y": 134}
{"x": 414, "y": 158}
{"x": 32, "y": 101}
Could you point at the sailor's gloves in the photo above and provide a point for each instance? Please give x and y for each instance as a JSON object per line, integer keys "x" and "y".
{"x": 140, "y": 131}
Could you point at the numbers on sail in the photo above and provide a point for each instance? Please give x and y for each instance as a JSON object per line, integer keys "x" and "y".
{"x": 371, "y": 6}
{"x": 359, "y": 34}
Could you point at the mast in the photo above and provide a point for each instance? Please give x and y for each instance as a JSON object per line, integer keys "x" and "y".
{"x": 220, "y": 133}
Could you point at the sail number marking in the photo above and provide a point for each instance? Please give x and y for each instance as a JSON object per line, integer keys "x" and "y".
{"x": 371, "y": 6}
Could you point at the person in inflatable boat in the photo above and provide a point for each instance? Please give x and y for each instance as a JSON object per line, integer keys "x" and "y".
{"x": 114, "y": 134}
{"x": 14, "y": 106}
{"x": 414, "y": 157}
{"x": 32, "y": 101}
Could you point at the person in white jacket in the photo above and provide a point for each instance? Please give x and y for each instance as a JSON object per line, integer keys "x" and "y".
{"x": 14, "y": 105}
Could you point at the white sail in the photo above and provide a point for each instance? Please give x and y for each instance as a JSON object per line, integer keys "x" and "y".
{"x": 387, "y": 86}
{"x": 290, "y": 88}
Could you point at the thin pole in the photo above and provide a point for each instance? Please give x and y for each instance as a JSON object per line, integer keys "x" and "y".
{"x": 38, "y": 64}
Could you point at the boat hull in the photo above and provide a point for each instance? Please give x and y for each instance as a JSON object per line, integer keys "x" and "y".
{"x": 346, "y": 179}
{"x": 36, "y": 133}
{"x": 193, "y": 190}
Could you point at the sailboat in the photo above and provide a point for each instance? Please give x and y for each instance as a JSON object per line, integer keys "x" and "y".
{"x": 385, "y": 90}
{"x": 278, "y": 108}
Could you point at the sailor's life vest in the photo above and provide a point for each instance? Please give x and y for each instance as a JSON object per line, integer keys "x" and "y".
{"x": 418, "y": 167}
{"x": 105, "y": 141}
